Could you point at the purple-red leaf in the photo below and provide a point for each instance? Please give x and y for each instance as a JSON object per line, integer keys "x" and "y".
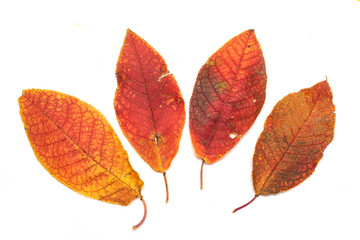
{"x": 228, "y": 96}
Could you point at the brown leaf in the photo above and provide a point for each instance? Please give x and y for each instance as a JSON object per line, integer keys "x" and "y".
{"x": 294, "y": 138}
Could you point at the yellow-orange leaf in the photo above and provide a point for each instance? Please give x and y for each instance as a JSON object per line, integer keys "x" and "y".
{"x": 294, "y": 138}
{"x": 76, "y": 145}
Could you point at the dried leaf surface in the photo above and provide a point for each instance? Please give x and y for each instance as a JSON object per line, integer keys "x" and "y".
{"x": 148, "y": 103}
{"x": 77, "y": 146}
{"x": 295, "y": 135}
{"x": 228, "y": 95}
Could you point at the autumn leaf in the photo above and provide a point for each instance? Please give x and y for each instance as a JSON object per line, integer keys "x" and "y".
{"x": 148, "y": 104}
{"x": 228, "y": 95}
{"x": 76, "y": 145}
{"x": 294, "y": 138}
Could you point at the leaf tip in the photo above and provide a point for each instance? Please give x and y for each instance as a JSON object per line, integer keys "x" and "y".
{"x": 129, "y": 34}
{"x": 325, "y": 85}
{"x": 128, "y": 31}
{"x": 326, "y": 80}
{"x": 24, "y": 92}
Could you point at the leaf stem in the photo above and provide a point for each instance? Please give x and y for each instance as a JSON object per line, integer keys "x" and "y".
{"x": 245, "y": 204}
{"x": 145, "y": 213}
{"x": 167, "y": 189}
{"x": 201, "y": 174}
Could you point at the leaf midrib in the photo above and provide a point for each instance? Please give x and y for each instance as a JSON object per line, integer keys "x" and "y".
{"x": 149, "y": 101}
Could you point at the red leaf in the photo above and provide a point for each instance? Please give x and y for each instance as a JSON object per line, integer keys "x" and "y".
{"x": 148, "y": 104}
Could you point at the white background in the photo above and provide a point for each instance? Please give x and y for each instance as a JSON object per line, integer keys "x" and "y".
{"x": 73, "y": 46}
